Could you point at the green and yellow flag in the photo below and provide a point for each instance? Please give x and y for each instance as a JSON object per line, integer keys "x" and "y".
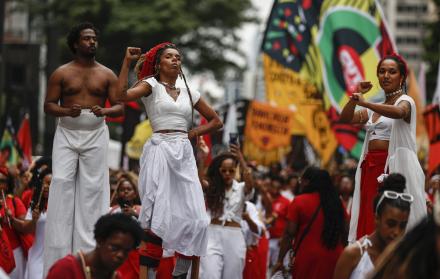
{"x": 315, "y": 52}
{"x": 8, "y": 145}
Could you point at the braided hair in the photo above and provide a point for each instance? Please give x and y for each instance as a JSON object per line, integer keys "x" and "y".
{"x": 215, "y": 194}
{"x": 334, "y": 231}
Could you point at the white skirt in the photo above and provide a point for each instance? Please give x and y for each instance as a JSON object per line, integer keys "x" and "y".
{"x": 173, "y": 206}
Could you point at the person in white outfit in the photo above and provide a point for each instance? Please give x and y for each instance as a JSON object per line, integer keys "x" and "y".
{"x": 173, "y": 209}
{"x": 225, "y": 198}
{"x": 35, "y": 222}
{"x": 79, "y": 194}
{"x": 392, "y": 208}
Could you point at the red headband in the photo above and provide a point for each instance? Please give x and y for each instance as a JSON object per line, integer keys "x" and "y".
{"x": 150, "y": 57}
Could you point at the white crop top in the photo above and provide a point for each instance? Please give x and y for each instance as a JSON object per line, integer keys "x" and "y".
{"x": 163, "y": 112}
{"x": 381, "y": 129}
{"x": 233, "y": 204}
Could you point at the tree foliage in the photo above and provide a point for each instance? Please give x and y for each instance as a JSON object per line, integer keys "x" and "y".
{"x": 432, "y": 52}
{"x": 205, "y": 30}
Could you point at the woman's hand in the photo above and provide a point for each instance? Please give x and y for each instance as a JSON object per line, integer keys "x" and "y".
{"x": 128, "y": 210}
{"x": 133, "y": 53}
{"x": 202, "y": 149}
{"x": 192, "y": 134}
{"x": 235, "y": 150}
{"x": 358, "y": 98}
{"x": 35, "y": 215}
{"x": 364, "y": 86}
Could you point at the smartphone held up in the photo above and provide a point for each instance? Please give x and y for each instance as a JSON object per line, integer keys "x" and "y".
{"x": 233, "y": 138}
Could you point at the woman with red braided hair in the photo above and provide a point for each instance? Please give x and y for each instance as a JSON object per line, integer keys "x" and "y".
{"x": 389, "y": 146}
{"x": 173, "y": 209}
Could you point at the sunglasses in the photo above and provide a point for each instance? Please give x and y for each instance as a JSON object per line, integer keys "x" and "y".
{"x": 394, "y": 196}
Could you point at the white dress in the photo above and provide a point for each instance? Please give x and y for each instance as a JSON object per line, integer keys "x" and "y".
{"x": 173, "y": 206}
{"x": 34, "y": 267}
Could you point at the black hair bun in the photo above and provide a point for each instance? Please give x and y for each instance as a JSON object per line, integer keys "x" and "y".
{"x": 393, "y": 182}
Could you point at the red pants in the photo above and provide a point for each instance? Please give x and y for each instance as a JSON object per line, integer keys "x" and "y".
{"x": 252, "y": 264}
{"x": 372, "y": 167}
{"x": 165, "y": 268}
{"x": 263, "y": 254}
{"x": 130, "y": 268}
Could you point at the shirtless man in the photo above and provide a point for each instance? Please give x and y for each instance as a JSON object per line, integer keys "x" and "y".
{"x": 80, "y": 191}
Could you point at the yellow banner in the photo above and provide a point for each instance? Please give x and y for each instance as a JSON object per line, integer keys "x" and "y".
{"x": 267, "y": 132}
{"x": 287, "y": 89}
{"x": 142, "y": 132}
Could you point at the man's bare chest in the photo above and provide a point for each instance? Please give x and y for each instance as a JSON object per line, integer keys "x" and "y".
{"x": 86, "y": 83}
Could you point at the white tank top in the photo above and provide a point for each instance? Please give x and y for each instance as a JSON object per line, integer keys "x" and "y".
{"x": 365, "y": 265}
{"x": 381, "y": 129}
{"x": 164, "y": 112}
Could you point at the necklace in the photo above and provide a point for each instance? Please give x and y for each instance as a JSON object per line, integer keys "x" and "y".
{"x": 172, "y": 87}
{"x": 393, "y": 93}
{"x": 86, "y": 269}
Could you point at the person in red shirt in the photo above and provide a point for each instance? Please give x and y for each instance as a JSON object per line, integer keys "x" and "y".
{"x": 276, "y": 217}
{"x": 317, "y": 223}
{"x": 12, "y": 208}
{"x": 116, "y": 235}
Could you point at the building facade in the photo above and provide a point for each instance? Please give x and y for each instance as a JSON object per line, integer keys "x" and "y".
{"x": 406, "y": 21}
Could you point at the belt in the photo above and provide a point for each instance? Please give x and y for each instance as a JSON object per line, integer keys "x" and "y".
{"x": 170, "y": 131}
{"x": 225, "y": 223}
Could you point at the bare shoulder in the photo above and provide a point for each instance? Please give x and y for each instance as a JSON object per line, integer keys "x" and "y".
{"x": 352, "y": 253}
{"x": 62, "y": 71}
{"x": 107, "y": 71}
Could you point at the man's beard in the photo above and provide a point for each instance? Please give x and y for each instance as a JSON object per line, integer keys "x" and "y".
{"x": 89, "y": 55}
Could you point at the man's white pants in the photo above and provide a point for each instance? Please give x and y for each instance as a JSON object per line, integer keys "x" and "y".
{"x": 225, "y": 257}
{"x": 79, "y": 193}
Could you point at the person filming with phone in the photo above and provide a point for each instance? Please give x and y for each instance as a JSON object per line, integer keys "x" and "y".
{"x": 389, "y": 146}
{"x": 225, "y": 197}
{"x": 126, "y": 196}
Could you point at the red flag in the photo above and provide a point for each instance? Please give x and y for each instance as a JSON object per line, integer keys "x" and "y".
{"x": 24, "y": 139}
{"x": 208, "y": 141}
{"x": 432, "y": 120}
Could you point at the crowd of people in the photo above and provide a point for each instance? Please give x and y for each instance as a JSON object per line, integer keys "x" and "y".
{"x": 184, "y": 214}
